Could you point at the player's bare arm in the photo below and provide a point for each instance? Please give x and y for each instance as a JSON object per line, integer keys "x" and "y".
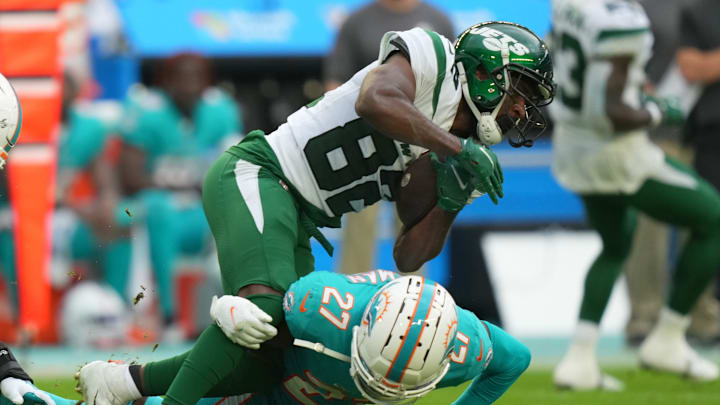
{"x": 386, "y": 102}
{"x": 622, "y": 116}
{"x": 422, "y": 241}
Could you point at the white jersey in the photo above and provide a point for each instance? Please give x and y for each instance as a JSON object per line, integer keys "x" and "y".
{"x": 589, "y": 156}
{"x": 335, "y": 159}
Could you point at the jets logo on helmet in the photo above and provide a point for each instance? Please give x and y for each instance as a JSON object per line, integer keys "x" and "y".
{"x": 495, "y": 40}
{"x": 400, "y": 351}
{"x": 10, "y": 119}
{"x": 496, "y": 59}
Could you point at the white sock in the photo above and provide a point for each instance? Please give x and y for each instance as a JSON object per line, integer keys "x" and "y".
{"x": 672, "y": 322}
{"x": 585, "y": 337}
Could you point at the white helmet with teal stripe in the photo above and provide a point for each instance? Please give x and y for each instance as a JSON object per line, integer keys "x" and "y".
{"x": 400, "y": 351}
{"x": 10, "y": 119}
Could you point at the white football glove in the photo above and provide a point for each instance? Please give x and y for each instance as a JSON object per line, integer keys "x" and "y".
{"x": 242, "y": 321}
{"x": 14, "y": 388}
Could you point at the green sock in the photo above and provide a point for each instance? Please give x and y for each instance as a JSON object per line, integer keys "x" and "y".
{"x": 599, "y": 284}
{"x": 695, "y": 269}
{"x": 216, "y": 366}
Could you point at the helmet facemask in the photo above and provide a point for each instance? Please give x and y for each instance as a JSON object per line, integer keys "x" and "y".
{"x": 537, "y": 92}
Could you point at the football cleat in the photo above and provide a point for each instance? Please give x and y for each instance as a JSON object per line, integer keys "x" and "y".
{"x": 581, "y": 372}
{"x": 671, "y": 353}
{"x": 106, "y": 383}
{"x": 10, "y": 119}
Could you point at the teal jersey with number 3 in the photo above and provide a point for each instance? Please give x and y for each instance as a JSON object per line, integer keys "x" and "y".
{"x": 323, "y": 307}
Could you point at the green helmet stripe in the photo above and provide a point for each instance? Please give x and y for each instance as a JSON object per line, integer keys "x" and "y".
{"x": 612, "y": 34}
{"x": 441, "y": 60}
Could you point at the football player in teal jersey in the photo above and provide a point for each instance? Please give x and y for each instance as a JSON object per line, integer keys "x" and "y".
{"x": 10, "y": 124}
{"x": 265, "y": 197}
{"x": 171, "y": 134}
{"x": 375, "y": 336}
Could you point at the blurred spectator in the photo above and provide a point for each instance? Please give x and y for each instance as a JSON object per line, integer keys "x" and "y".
{"x": 699, "y": 62}
{"x": 647, "y": 267}
{"x": 84, "y": 223}
{"x": 355, "y": 47}
{"x": 171, "y": 135}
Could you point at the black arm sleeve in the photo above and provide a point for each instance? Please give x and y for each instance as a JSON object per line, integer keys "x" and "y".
{"x": 9, "y": 367}
{"x": 689, "y": 35}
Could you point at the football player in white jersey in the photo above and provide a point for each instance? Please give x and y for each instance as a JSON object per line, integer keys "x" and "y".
{"x": 265, "y": 197}
{"x": 602, "y": 152}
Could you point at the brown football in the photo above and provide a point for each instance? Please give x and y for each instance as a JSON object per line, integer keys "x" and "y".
{"x": 417, "y": 193}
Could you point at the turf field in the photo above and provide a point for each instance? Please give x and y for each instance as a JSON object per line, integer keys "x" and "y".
{"x": 535, "y": 388}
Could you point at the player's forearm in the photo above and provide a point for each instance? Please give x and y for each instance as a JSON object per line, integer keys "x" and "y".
{"x": 390, "y": 109}
{"x": 423, "y": 241}
{"x": 625, "y": 118}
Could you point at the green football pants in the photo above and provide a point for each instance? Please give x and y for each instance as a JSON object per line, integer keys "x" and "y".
{"x": 676, "y": 195}
{"x": 259, "y": 238}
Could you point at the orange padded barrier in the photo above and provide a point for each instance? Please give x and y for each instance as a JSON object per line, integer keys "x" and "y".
{"x": 29, "y": 44}
{"x": 22, "y": 5}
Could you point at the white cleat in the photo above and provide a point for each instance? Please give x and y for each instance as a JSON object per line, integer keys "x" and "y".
{"x": 674, "y": 355}
{"x": 105, "y": 383}
{"x": 582, "y": 373}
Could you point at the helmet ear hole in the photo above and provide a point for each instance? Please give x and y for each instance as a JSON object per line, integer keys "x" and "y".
{"x": 481, "y": 72}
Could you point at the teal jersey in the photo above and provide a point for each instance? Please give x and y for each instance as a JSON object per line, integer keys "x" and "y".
{"x": 82, "y": 140}
{"x": 323, "y": 307}
{"x": 173, "y": 143}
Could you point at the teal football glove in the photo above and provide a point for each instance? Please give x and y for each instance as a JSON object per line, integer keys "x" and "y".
{"x": 482, "y": 164}
{"x": 454, "y": 184}
{"x": 664, "y": 110}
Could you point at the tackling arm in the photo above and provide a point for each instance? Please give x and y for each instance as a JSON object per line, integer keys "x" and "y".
{"x": 422, "y": 241}
{"x": 386, "y": 102}
{"x": 510, "y": 359}
{"x": 15, "y": 384}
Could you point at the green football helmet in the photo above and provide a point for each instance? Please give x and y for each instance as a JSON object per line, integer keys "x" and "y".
{"x": 496, "y": 59}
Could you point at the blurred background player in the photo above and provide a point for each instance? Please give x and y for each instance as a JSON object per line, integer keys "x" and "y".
{"x": 356, "y": 45}
{"x": 655, "y": 245}
{"x": 602, "y": 152}
{"x": 88, "y": 194}
{"x": 10, "y": 126}
{"x": 170, "y": 135}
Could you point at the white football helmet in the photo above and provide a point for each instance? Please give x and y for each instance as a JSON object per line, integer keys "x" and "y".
{"x": 400, "y": 351}
{"x": 10, "y": 119}
{"x": 93, "y": 315}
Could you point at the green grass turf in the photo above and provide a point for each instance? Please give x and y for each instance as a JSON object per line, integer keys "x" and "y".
{"x": 535, "y": 387}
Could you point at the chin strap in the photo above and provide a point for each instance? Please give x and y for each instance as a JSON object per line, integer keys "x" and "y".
{"x": 320, "y": 348}
{"x": 488, "y": 130}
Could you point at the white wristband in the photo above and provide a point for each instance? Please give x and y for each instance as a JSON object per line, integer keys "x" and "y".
{"x": 655, "y": 113}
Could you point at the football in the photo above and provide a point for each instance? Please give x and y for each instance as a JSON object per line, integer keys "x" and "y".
{"x": 417, "y": 193}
